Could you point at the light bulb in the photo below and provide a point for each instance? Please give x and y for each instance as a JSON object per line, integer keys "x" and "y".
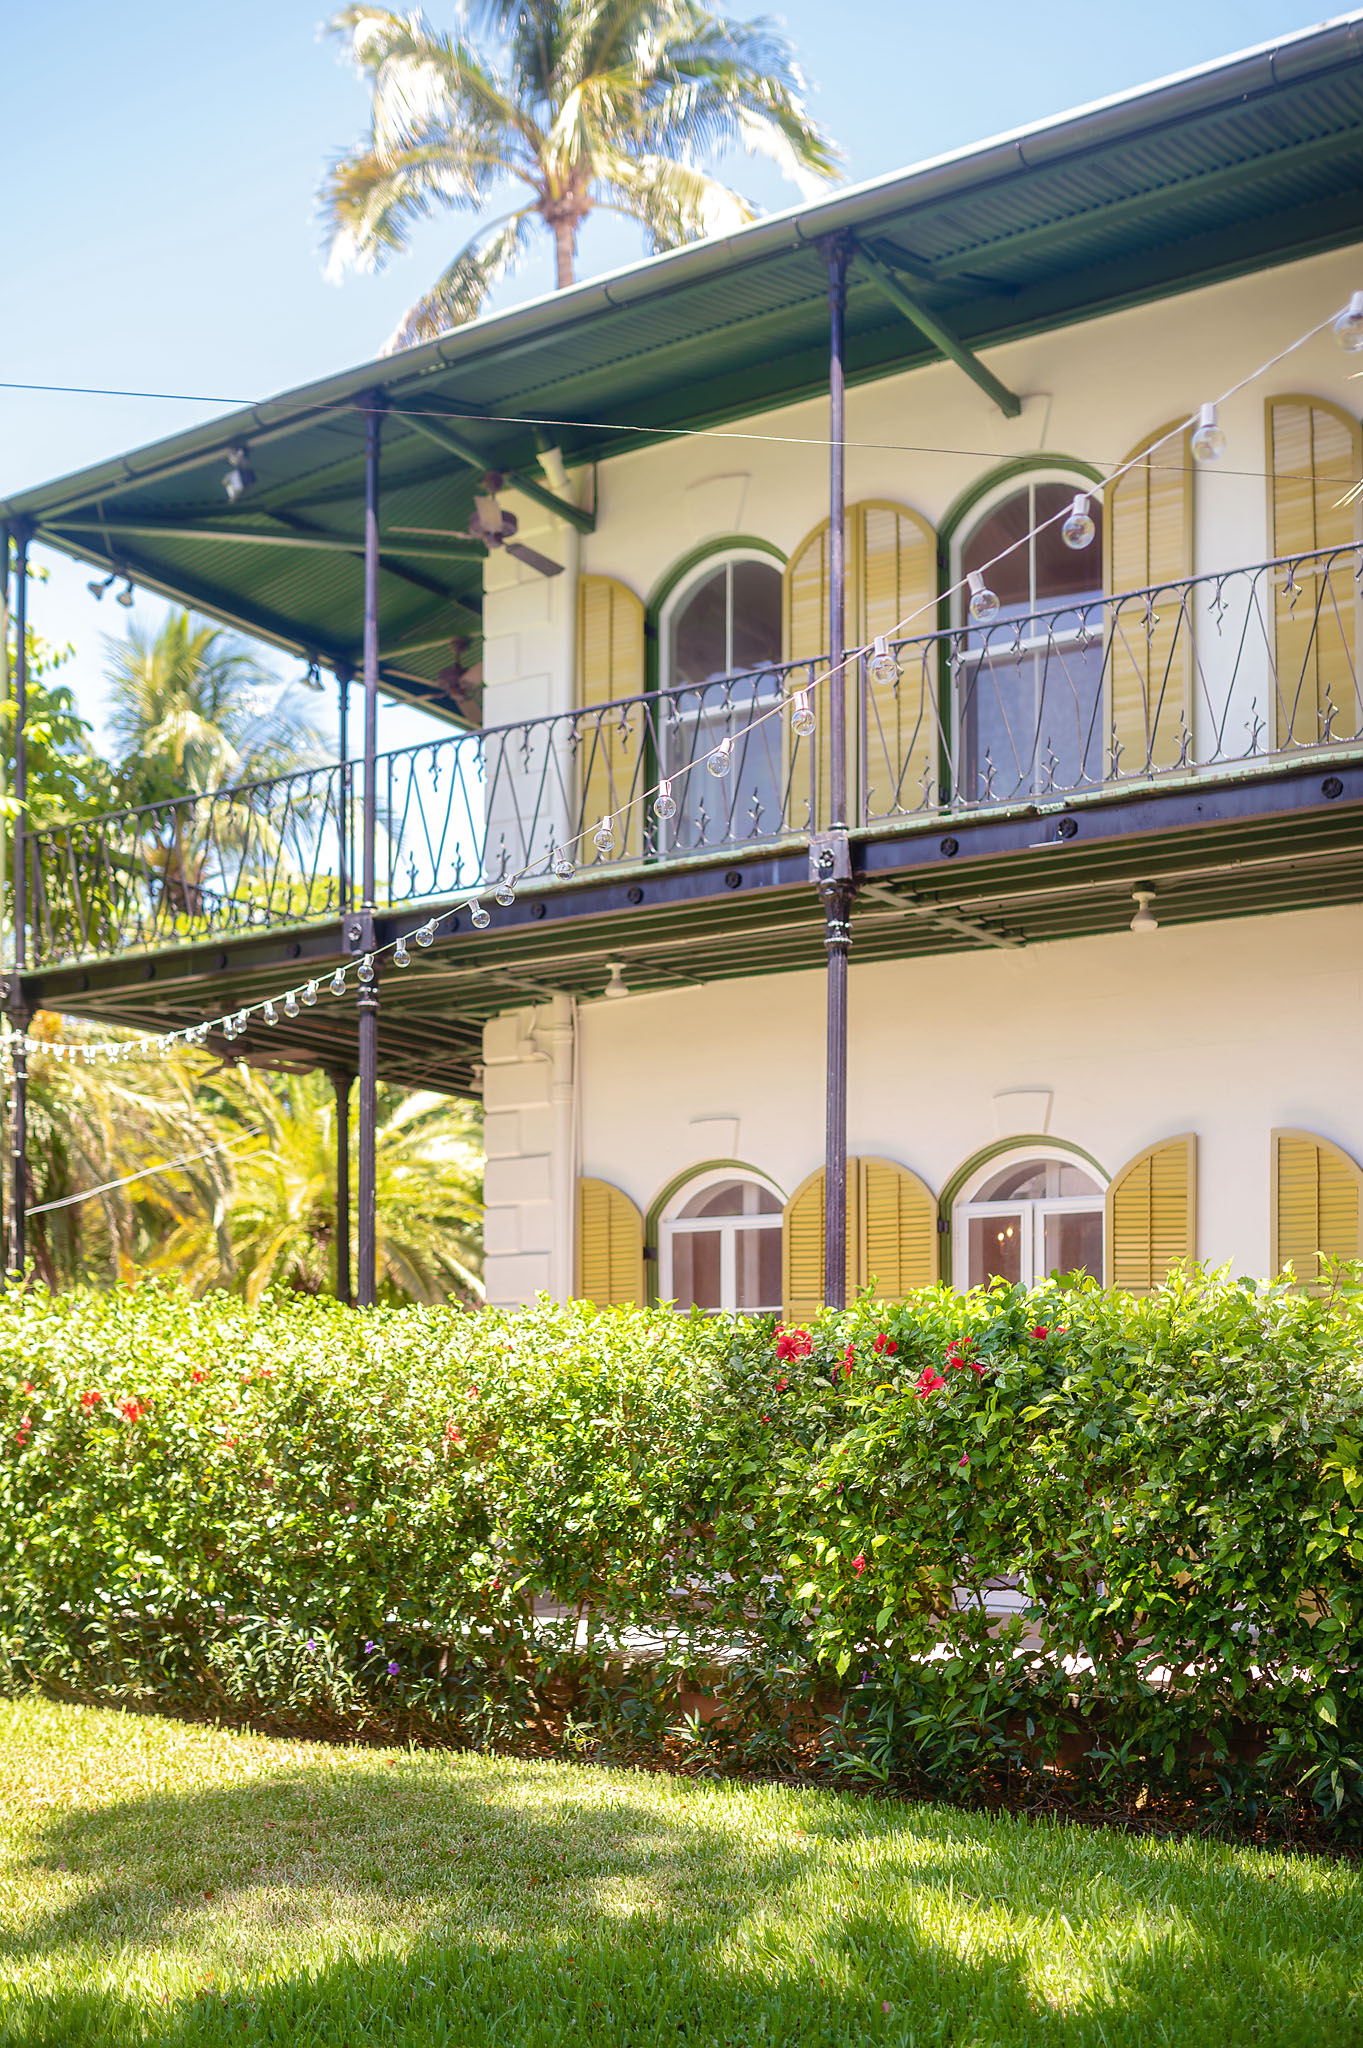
{"x": 426, "y": 935}
{"x": 884, "y": 667}
{"x": 291, "y": 1004}
{"x": 722, "y": 760}
{"x": 505, "y": 895}
{"x": 1145, "y": 919}
{"x": 603, "y": 839}
{"x": 338, "y": 982}
{"x": 802, "y": 719}
{"x": 228, "y": 1028}
{"x": 401, "y": 957}
{"x": 1208, "y": 440}
{"x": 664, "y": 803}
{"x": 480, "y": 916}
{"x": 243, "y": 1019}
{"x": 983, "y": 603}
{"x": 561, "y": 866}
{"x": 270, "y": 1014}
{"x": 310, "y": 993}
{"x": 1079, "y": 529}
{"x": 366, "y": 969}
{"x": 1348, "y": 329}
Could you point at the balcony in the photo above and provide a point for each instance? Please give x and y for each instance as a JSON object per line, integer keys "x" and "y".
{"x": 1243, "y": 673}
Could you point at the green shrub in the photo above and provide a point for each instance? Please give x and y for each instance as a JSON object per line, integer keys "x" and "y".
{"x": 560, "y": 1528}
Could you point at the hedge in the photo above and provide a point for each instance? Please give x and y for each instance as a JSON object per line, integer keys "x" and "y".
{"x": 717, "y": 1542}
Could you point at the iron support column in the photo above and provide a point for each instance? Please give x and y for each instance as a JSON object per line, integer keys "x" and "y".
{"x": 368, "y": 1002}
{"x": 343, "y": 861}
{"x": 832, "y": 866}
{"x": 18, "y": 1122}
{"x": 4, "y": 787}
{"x": 342, "y": 1081}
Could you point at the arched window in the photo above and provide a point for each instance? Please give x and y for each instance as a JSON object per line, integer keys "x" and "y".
{"x": 1027, "y": 1217}
{"x": 720, "y": 642}
{"x": 1029, "y": 716}
{"x": 720, "y": 1244}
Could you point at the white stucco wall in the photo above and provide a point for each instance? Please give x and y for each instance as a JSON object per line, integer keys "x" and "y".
{"x": 1223, "y": 1029}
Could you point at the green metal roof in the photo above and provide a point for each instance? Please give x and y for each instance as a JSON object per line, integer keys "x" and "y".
{"x": 1252, "y": 161}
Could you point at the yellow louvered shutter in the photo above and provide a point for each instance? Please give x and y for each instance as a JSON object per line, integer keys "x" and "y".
{"x": 898, "y": 1235}
{"x": 610, "y": 664}
{"x": 1316, "y": 1207}
{"x": 1148, "y": 541}
{"x": 896, "y": 569}
{"x": 1315, "y": 458}
{"x": 890, "y": 573}
{"x": 610, "y": 1246}
{"x": 1151, "y": 1219}
{"x": 802, "y": 1243}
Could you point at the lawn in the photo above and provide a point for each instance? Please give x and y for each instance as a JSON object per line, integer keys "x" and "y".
{"x": 170, "y": 1884}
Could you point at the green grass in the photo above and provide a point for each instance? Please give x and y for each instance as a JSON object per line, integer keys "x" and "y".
{"x": 170, "y": 1884}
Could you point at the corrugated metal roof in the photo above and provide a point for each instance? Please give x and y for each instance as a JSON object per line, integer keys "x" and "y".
{"x": 1248, "y": 162}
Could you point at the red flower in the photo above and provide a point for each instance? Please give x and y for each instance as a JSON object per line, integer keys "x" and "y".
{"x": 198, "y": 1376}
{"x": 885, "y": 1344}
{"x": 959, "y": 1355}
{"x": 766, "y": 1418}
{"x": 453, "y": 1434}
{"x": 132, "y": 1408}
{"x": 859, "y": 1565}
{"x": 1040, "y": 1331}
{"x": 781, "y": 1385}
{"x": 21, "y": 1434}
{"x": 964, "y": 1458}
{"x": 267, "y": 1372}
{"x": 25, "y": 1386}
{"x": 929, "y": 1380}
{"x": 849, "y": 1359}
{"x": 793, "y": 1344}
{"x": 90, "y": 1400}
{"x": 473, "y": 1391}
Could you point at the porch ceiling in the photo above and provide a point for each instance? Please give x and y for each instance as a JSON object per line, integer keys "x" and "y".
{"x": 1286, "y": 842}
{"x": 1253, "y": 161}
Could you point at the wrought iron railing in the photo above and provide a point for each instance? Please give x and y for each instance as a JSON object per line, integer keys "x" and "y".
{"x": 1218, "y": 673}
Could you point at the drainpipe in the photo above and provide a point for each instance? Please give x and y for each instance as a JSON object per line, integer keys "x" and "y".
{"x": 830, "y": 855}
{"x": 555, "y": 1036}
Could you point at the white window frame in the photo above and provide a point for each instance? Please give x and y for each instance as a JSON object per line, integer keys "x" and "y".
{"x": 1032, "y": 1210}
{"x": 722, "y": 558}
{"x": 672, "y": 1224}
{"x": 1012, "y": 487}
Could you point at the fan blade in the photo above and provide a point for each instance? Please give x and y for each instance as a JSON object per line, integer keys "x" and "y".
{"x": 532, "y": 560}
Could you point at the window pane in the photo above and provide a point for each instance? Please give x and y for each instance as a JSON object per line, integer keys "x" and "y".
{"x": 1063, "y": 572}
{"x": 757, "y": 614}
{"x": 724, "y": 1200}
{"x": 1016, "y": 1183}
{"x": 1070, "y": 723}
{"x": 758, "y": 1264}
{"x": 699, "y": 635}
{"x": 998, "y": 722}
{"x": 1010, "y": 579}
{"x": 695, "y": 1269}
{"x": 1074, "y": 1244}
{"x": 1074, "y": 1181}
{"x": 995, "y": 1249}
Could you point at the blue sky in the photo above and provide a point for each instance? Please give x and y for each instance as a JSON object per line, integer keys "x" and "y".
{"x": 158, "y": 163}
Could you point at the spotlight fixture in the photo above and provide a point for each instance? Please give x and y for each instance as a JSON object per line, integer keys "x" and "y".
{"x": 97, "y": 589}
{"x": 1145, "y": 919}
{"x": 312, "y": 680}
{"x": 126, "y": 596}
{"x": 616, "y": 985}
{"x": 240, "y": 476}
{"x": 1208, "y": 442}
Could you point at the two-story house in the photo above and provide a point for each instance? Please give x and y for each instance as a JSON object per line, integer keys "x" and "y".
{"x": 1101, "y": 746}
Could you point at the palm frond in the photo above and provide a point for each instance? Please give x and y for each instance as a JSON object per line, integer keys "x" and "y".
{"x": 460, "y": 293}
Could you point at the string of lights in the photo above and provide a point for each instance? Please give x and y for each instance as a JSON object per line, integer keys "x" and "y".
{"x": 1078, "y": 529}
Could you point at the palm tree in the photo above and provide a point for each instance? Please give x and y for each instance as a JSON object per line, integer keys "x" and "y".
{"x": 585, "y": 103}
{"x": 268, "y": 1214}
{"x": 191, "y": 709}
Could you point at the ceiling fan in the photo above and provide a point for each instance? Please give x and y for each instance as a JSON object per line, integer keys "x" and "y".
{"x": 494, "y": 526}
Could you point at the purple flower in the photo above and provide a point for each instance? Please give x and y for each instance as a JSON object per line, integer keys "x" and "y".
{"x": 312, "y": 1642}
{"x": 392, "y": 1668}
{"x": 370, "y": 1648}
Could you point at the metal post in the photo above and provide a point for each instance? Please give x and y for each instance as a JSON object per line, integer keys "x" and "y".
{"x": 368, "y": 1004}
{"x": 342, "y": 1080}
{"x": 4, "y": 783}
{"x": 18, "y": 1122}
{"x": 833, "y": 864}
{"x": 343, "y": 877}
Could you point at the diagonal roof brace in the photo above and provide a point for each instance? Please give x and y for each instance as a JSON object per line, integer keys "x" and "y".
{"x": 936, "y": 330}
{"x": 907, "y": 905}
{"x": 435, "y": 429}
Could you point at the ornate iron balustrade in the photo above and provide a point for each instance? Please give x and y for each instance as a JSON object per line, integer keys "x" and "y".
{"x": 1225, "y": 671}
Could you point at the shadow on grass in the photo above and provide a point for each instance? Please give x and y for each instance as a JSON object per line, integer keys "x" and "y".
{"x": 441, "y": 1903}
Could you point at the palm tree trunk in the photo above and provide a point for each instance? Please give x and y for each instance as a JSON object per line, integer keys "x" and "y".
{"x": 565, "y": 250}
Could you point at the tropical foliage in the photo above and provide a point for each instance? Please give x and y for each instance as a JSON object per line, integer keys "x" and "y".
{"x": 564, "y": 106}
{"x": 426, "y": 1522}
